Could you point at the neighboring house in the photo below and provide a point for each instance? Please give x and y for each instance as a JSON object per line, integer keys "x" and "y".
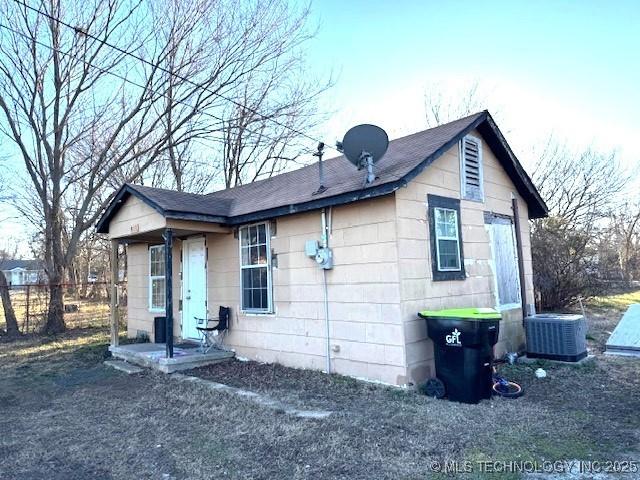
{"x": 436, "y": 229}
{"x": 23, "y": 272}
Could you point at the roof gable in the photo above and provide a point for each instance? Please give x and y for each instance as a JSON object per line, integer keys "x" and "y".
{"x": 295, "y": 191}
{"x": 16, "y": 265}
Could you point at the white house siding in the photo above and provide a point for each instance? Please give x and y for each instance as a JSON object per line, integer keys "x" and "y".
{"x": 135, "y": 217}
{"x": 418, "y": 291}
{"x": 139, "y": 318}
{"x": 381, "y": 279}
{"x": 363, "y": 289}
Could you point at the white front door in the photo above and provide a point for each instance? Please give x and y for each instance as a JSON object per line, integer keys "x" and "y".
{"x": 194, "y": 286}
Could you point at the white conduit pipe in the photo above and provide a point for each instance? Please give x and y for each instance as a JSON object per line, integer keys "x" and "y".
{"x": 325, "y": 244}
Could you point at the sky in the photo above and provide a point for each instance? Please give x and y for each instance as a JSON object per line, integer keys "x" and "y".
{"x": 567, "y": 68}
{"x": 570, "y": 69}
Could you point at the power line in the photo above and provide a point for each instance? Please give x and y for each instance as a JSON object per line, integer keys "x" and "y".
{"x": 127, "y": 80}
{"x": 221, "y": 121}
{"x": 108, "y": 72}
{"x": 173, "y": 74}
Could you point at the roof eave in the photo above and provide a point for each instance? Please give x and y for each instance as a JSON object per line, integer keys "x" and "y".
{"x": 197, "y": 217}
{"x": 341, "y": 199}
{"x": 535, "y": 203}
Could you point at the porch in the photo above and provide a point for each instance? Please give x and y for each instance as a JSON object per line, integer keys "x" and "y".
{"x": 154, "y": 355}
{"x": 171, "y": 283}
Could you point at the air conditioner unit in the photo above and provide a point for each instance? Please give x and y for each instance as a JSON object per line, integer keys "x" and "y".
{"x": 556, "y": 336}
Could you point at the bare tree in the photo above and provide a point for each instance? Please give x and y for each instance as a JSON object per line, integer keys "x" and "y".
{"x": 261, "y": 125}
{"x": 578, "y": 186}
{"x": 625, "y": 225}
{"x": 84, "y": 114}
{"x": 5, "y": 295}
{"x": 9, "y": 313}
{"x": 442, "y": 108}
{"x": 580, "y": 189}
{"x": 261, "y": 135}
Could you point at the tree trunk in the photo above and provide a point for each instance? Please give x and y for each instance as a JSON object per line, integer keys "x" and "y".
{"x": 55, "y": 314}
{"x": 9, "y": 314}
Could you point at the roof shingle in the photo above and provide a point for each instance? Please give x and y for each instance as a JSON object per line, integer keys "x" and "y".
{"x": 296, "y": 190}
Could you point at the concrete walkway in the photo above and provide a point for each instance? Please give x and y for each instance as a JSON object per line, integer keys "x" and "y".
{"x": 257, "y": 398}
{"x": 625, "y": 339}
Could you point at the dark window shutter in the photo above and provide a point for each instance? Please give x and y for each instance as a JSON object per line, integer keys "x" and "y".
{"x": 433, "y": 202}
{"x": 472, "y": 169}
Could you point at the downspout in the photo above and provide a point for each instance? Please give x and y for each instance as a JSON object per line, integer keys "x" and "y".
{"x": 325, "y": 244}
{"x": 520, "y": 252}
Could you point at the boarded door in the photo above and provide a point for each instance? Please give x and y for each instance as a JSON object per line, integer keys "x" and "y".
{"x": 505, "y": 261}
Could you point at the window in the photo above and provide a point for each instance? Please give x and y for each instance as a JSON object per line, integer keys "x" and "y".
{"x": 446, "y": 241}
{"x": 447, "y": 244}
{"x": 255, "y": 268}
{"x": 505, "y": 260}
{"x": 471, "y": 168}
{"x": 156, "y": 278}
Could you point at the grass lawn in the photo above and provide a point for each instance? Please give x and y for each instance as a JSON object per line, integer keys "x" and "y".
{"x": 63, "y": 415}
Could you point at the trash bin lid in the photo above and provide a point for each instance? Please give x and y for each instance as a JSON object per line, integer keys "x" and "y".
{"x": 463, "y": 313}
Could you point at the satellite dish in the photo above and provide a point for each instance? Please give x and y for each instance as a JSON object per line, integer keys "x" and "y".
{"x": 365, "y": 138}
{"x": 364, "y": 145}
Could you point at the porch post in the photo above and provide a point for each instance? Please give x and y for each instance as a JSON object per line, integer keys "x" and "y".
{"x": 115, "y": 327}
{"x": 168, "y": 288}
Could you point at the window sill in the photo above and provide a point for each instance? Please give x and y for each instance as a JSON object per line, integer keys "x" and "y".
{"x": 476, "y": 200}
{"x": 509, "y": 306}
{"x": 151, "y": 310}
{"x": 249, "y": 313}
{"x": 450, "y": 275}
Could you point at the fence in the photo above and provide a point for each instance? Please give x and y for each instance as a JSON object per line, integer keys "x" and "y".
{"x": 86, "y": 305}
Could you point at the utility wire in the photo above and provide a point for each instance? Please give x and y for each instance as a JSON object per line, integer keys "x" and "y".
{"x": 173, "y": 74}
{"x": 127, "y": 80}
{"x": 221, "y": 121}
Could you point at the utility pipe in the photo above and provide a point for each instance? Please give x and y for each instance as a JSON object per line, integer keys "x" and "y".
{"x": 325, "y": 244}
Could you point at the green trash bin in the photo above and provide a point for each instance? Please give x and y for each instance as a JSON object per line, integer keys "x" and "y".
{"x": 463, "y": 341}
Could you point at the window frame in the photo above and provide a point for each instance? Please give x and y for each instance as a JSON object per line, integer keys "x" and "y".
{"x": 455, "y": 238}
{"x": 444, "y": 203}
{"x": 156, "y": 277}
{"x": 269, "y": 266}
{"x": 463, "y": 171}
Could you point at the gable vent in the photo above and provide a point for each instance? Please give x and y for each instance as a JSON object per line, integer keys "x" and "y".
{"x": 471, "y": 168}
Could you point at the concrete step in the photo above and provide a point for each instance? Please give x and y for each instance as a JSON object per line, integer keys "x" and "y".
{"x": 123, "y": 366}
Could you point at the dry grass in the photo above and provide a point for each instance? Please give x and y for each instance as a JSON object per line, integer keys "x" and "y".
{"x": 64, "y": 416}
{"x": 90, "y": 312}
{"x": 615, "y": 302}
{"x": 603, "y": 314}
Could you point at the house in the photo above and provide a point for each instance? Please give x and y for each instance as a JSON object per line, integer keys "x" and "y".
{"x": 445, "y": 224}
{"x": 23, "y": 272}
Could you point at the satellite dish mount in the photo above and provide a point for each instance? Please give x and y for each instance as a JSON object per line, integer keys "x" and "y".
{"x": 366, "y": 159}
{"x": 364, "y": 145}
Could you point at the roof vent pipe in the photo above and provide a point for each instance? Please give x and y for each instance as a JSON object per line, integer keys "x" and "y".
{"x": 319, "y": 154}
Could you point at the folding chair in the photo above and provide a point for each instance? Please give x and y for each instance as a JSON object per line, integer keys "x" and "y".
{"x": 211, "y": 336}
